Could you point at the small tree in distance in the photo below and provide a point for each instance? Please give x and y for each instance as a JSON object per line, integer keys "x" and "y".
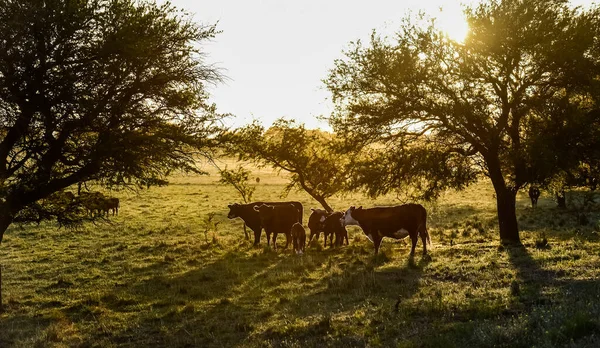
{"x": 239, "y": 179}
{"x": 306, "y": 154}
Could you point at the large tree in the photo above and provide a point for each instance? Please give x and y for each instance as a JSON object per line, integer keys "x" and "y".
{"x": 106, "y": 90}
{"x": 471, "y": 107}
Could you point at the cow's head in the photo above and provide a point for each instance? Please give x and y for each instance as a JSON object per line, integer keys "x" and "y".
{"x": 234, "y": 210}
{"x": 334, "y": 221}
{"x": 265, "y": 212}
{"x": 348, "y": 219}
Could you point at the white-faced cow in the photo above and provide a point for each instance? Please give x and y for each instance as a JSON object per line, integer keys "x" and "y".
{"x": 250, "y": 217}
{"x": 395, "y": 222}
{"x": 278, "y": 219}
{"x": 298, "y": 238}
{"x": 333, "y": 225}
{"x": 315, "y": 223}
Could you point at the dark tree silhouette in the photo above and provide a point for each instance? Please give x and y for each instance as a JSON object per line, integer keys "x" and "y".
{"x": 470, "y": 103}
{"x": 98, "y": 90}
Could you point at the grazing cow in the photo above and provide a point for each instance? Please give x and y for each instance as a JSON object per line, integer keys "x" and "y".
{"x": 334, "y": 225}
{"x": 394, "y": 222}
{"x": 534, "y": 194}
{"x": 251, "y": 218}
{"x": 110, "y": 204}
{"x": 278, "y": 219}
{"x": 93, "y": 202}
{"x": 298, "y": 238}
{"x": 315, "y": 223}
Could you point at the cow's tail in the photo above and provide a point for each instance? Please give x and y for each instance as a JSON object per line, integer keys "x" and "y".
{"x": 423, "y": 229}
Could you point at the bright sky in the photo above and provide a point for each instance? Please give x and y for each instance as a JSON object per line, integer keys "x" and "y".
{"x": 276, "y": 52}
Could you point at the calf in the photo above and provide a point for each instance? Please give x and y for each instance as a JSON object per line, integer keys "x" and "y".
{"x": 251, "y": 218}
{"x": 395, "y": 222}
{"x": 278, "y": 219}
{"x": 534, "y": 194}
{"x": 298, "y": 238}
{"x": 111, "y": 204}
{"x": 334, "y": 225}
{"x": 315, "y": 223}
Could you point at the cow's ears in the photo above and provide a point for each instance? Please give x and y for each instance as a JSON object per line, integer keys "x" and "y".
{"x": 313, "y": 209}
{"x": 229, "y": 205}
{"x": 359, "y": 208}
{"x": 255, "y": 208}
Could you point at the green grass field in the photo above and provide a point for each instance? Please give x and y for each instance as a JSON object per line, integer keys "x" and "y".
{"x": 154, "y": 277}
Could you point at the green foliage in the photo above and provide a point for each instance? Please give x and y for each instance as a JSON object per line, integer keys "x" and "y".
{"x": 523, "y": 82}
{"x": 239, "y": 179}
{"x": 308, "y": 155}
{"x": 104, "y": 91}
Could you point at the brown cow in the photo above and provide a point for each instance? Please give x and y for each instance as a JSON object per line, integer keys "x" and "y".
{"x": 251, "y": 218}
{"x": 534, "y": 194}
{"x": 298, "y": 238}
{"x": 395, "y": 222}
{"x": 334, "y": 226}
{"x": 315, "y": 223}
{"x": 278, "y": 219}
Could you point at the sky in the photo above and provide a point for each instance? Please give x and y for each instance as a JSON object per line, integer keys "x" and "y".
{"x": 275, "y": 53}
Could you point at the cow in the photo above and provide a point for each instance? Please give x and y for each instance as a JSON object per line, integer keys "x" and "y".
{"x": 110, "y": 204}
{"x": 298, "y": 238}
{"x": 395, "y": 222}
{"x": 333, "y": 225}
{"x": 278, "y": 219}
{"x": 315, "y": 223}
{"x": 534, "y": 194}
{"x": 251, "y": 218}
{"x": 93, "y": 202}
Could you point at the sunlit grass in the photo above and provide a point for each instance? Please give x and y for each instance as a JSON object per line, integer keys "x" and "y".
{"x": 150, "y": 278}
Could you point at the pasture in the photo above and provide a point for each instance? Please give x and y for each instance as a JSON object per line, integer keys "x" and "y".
{"x": 161, "y": 275}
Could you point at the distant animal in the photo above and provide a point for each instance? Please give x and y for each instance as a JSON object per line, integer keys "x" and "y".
{"x": 278, "y": 219}
{"x": 534, "y": 194}
{"x": 298, "y": 238}
{"x": 334, "y": 226}
{"x": 93, "y": 202}
{"x": 396, "y": 222}
{"x": 315, "y": 223}
{"x": 110, "y": 204}
{"x": 251, "y": 218}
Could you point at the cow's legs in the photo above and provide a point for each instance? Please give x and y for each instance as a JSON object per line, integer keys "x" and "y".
{"x": 414, "y": 237}
{"x": 313, "y": 234}
{"x": 274, "y": 240}
{"x": 346, "y": 236}
{"x": 377, "y": 241}
{"x": 287, "y": 239}
{"x": 257, "y": 236}
{"x": 268, "y": 238}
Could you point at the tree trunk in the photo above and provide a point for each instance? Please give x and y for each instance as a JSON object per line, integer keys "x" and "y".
{"x": 506, "y": 202}
{"x": 561, "y": 199}
{"x": 5, "y": 220}
{"x": 323, "y": 203}
{"x": 507, "y": 216}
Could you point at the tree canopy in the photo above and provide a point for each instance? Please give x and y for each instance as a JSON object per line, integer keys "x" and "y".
{"x": 306, "y": 154}
{"x": 443, "y": 112}
{"x": 105, "y": 90}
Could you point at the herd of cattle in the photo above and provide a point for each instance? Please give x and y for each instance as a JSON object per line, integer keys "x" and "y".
{"x": 395, "y": 222}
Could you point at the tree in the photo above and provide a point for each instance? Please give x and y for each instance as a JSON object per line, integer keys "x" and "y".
{"x": 111, "y": 91}
{"x": 306, "y": 154}
{"x": 238, "y": 178}
{"x": 470, "y": 106}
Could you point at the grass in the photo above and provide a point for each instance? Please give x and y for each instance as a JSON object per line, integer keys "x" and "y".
{"x": 151, "y": 278}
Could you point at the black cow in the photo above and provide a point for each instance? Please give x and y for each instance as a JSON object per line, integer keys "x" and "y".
{"x": 334, "y": 226}
{"x": 395, "y": 222}
{"x": 534, "y": 194}
{"x": 315, "y": 223}
{"x": 251, "y": 219}
{"x": 278, "y": 219}
{"x": 298, "y": 238}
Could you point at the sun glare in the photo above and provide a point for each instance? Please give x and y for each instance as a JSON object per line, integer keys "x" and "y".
{"x": 453, "y": 24}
